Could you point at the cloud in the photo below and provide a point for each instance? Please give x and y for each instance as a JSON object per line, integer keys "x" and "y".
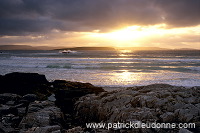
{"x": 180, "y": 13}
{"x": 27, "y": 17}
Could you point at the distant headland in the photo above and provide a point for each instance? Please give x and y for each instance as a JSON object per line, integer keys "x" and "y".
{"x": 28, "y": 47}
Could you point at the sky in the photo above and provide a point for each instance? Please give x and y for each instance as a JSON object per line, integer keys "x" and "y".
{"x": 118, "y": 23}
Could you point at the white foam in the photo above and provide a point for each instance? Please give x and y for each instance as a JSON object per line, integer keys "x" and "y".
{"x": 108, "y": 59}
{"x": 194, "y": 68}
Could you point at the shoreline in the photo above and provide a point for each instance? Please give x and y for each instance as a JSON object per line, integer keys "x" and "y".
{"x": 111, "y": 88}
{"x": 67, "y": 106}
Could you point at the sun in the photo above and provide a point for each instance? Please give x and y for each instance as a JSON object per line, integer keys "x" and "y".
{"x": 126, "y": 34}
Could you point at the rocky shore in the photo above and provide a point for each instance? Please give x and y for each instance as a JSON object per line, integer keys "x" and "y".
{"x": 31, "y": 104}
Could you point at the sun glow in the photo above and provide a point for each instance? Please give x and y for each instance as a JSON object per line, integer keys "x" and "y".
{"x": 142, "y": 35}
{"x": 125, "y": 75}
{"x": 126, "y": 34}
{"x": 131, "y": 33}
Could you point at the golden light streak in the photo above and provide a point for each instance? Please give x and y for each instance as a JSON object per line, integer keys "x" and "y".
{"x": 160, "y": 35}
{"x": 142, "y": 34}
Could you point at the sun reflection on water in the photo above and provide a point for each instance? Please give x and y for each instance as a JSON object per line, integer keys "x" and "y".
{"x": 124, "y": 76}
{"x": 124, "y": 53}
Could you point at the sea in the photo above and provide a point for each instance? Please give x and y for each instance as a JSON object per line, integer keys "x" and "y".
{"x": 118, "y": 68}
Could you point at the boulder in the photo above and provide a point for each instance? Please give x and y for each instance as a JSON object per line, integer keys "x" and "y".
{"x": 25, "y": 78}
{"x": 85, "y": 88}
{"x": 25, "y": 83}
{"x": 70, "y": 92}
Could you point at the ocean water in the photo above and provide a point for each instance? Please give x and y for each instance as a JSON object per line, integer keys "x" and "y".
{"x": 120, "y": 68}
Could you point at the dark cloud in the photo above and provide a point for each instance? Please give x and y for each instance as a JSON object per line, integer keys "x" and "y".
{"x": 22, "y": 17}
{"x": 25, "y": 26}
{"x": 180, "y": 12}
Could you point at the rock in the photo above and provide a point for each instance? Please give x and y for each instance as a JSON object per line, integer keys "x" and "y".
{"x": 26, "y": 78}
{"x": 85, "y": 88}
{"x": 25, "y": 83}
{"x": 70, "y": 92}
{"x": 160, "y": 103}
{"x": 83, "y": 102}
{"x": 75, "y": 130}
{"x": 187, "y": 113}
{"x": 10, "y": 103}
{"x": 41, "y": 114}
{"x": 52, "y": 98}
{"x": 46, "y": 129}
{"x": 8, "y": 130}
{"x": 38, "y": 105}
{"x": 59, "y": 84}
{"x": 29, "y": 97}
{"x": 182, "y": 130}
{"x": 5, "y": 97}
{"x": 15, "y": 121}
{"x": 168, "y": 117}
{"x": 22, "y": 111}
{"x": 4, "y": 109}
{"x": 178, "y": 105}
{"x": 7, "y": 119}
{"x": 20, "y": 115}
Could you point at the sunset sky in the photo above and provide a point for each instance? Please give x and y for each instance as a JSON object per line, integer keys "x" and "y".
{"x": 127, "y": 23}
